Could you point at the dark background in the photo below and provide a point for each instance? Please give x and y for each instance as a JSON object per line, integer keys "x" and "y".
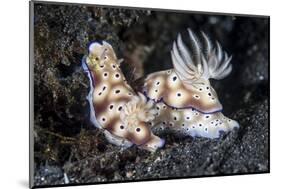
{"x": 68, "y": 145}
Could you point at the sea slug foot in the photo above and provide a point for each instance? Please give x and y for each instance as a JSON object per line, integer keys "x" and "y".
{"x": 117, "y": 140}
{"x": 153, "y": 144}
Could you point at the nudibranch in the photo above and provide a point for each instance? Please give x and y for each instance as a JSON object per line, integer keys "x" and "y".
{"x": 184, "y": 98}
{"x": 115, "y": 108}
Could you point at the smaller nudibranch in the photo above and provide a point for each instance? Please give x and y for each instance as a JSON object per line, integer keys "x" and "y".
{"x": 115, "y": 108}
{"x": 184, "y": 97}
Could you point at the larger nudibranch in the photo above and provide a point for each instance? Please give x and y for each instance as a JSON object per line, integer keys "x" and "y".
{"x": 184, "y": 98}
{"x": 114, "y": 106}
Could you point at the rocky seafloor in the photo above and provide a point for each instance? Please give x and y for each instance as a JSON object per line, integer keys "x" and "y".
{"x": 68, "y": 149}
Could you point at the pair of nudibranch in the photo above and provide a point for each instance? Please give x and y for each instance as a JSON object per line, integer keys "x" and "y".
{"x": 181, "y": 98}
